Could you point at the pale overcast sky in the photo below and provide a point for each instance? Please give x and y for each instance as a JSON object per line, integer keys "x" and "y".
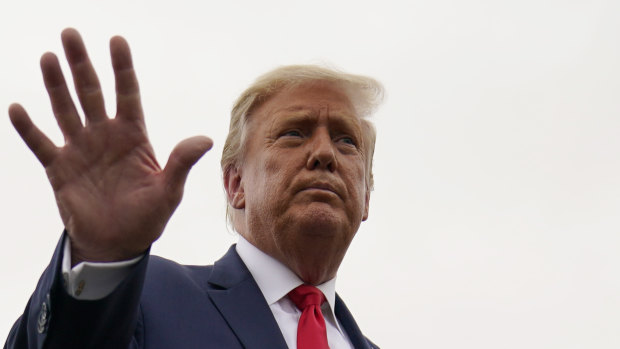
{"x": 495, "y": 220}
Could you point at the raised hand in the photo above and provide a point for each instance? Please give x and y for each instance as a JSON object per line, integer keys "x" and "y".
{"x": 113, "y": 197}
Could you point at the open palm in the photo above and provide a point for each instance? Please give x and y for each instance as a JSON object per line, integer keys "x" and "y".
{"x": 113, "y": 197}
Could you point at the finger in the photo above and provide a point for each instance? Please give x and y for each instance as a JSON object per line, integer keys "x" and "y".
{"x": 181, "y": 160}
{"x": 128, "y": 103}
{"x": 42, "y": 147}
{"x": 62, "y": 104}
{"x": 84, "y": 76}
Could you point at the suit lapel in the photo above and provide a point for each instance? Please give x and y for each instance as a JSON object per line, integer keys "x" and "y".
{"x": 238, "y": 298}
{"x": 350, "y": 326}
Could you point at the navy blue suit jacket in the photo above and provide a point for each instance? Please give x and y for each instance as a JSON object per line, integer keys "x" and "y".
{"x": 161, "y": 305}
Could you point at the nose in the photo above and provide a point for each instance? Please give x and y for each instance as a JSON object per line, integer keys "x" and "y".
{"x": 322, "y": 154}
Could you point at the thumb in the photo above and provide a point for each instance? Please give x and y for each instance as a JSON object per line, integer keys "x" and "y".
{"x": 181, "y": 160}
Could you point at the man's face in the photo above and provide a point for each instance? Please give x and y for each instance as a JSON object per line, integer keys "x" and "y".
{"x": 302, "y": 180}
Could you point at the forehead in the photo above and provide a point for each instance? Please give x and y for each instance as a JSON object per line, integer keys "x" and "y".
{"x": 310, "y": 99}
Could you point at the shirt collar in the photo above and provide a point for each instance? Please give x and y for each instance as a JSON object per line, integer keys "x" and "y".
{"x": 274, "y": 279}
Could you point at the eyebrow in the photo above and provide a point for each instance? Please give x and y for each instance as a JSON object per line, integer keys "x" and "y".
{"x": 305, "y": 114}
{"x": 298, "y": 116}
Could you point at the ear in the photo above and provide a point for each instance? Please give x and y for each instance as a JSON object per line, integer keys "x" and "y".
{"x": 367, "y": 198}
{"x": 234, "y": 188}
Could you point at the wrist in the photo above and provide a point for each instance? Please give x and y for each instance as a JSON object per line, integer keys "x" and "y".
{"x": 103, "y": 255}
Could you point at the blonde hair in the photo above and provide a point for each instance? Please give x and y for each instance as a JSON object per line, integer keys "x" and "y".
{"x": 365, "y": 93}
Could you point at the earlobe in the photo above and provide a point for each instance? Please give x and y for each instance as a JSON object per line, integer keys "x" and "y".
{"x": 234, "y": 188}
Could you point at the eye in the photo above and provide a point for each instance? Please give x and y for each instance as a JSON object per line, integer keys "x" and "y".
{"x": 291, "y": 133}
{"x": 347, "y": 140}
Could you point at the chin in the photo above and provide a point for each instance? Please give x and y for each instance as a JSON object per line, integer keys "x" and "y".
{"x": 320, "y": 219}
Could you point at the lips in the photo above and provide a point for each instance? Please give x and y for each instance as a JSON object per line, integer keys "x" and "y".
{"x": 320, "y": 185}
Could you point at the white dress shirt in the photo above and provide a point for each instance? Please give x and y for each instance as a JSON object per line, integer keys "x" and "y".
{"x": 92, "y": 281}
{"x": 275, "y": 281}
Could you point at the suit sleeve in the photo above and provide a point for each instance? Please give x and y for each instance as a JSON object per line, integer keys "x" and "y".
{"x": 54, "y": 319}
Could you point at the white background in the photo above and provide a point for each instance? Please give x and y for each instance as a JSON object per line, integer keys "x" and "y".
{"x": 495, "y": 219}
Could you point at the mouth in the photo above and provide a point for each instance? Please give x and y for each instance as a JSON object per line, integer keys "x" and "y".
{"x": 321, "y": 187}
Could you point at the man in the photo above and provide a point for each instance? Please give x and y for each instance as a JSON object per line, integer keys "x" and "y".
{"x": 297, "y": 173}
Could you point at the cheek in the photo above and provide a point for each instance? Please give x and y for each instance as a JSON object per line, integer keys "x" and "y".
{"x": 357, "y": 182}
{"x": 275, "y": 174}
{"x": 358, "y": 179}
{"x": 281, "y": 165}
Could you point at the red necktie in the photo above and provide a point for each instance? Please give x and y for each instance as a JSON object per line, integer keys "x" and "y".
{"x": 311, "y": 332}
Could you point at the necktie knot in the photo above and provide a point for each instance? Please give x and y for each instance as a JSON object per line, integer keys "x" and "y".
{"x": 305, "y": 295}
